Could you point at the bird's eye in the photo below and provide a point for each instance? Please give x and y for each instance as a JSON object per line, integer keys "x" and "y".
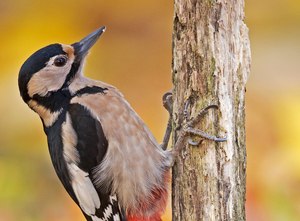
{"x": 60, "y": 61}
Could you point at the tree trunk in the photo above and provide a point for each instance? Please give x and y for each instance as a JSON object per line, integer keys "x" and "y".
{"x": 211, "y": 63}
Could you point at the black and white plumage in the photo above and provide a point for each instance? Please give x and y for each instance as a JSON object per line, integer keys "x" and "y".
{"x": 104, "y": 155}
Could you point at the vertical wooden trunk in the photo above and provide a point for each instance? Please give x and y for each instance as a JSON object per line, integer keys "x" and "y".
{"x": 211, "y": 62}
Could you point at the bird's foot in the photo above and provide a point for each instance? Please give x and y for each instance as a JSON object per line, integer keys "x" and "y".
{"x": 189, "y": 129}
{"x": 191, "y": 123}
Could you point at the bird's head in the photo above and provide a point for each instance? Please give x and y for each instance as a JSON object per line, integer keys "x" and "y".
{"x": 53, "y": 67}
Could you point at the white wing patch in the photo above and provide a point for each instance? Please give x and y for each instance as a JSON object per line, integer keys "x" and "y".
{"x": 116, "y": 217}
{"x": 84, "y": 190}
{"x": 107, "y": 215}
{"x": 81, "y": 183}
{"x": 108, "y": 212}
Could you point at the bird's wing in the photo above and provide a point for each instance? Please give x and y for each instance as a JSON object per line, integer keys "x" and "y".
{"x": 133, "y": 165}
{"x": 82, "y": 131}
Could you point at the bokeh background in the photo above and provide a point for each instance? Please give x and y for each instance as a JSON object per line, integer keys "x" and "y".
{"x": 135, "y": 55}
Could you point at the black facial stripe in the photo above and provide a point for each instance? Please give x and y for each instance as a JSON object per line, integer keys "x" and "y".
{"x": 35, "y": 63}
{"x": 55, "y": 100}
{"x": 90, "y": 90}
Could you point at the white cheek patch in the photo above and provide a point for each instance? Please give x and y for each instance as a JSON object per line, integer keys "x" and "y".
{"x": 84, "y": 190}
{"x": 50, "y": 78}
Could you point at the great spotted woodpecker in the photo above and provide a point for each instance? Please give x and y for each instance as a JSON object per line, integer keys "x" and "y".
{"x": 103, "y": 153}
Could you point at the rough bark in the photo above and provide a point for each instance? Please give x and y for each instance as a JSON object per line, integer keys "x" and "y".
{"x": 211, "y": 62}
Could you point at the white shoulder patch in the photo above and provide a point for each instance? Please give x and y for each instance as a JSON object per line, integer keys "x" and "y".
{"x": 84, "y": 190}
{"x": 69, "y": 138}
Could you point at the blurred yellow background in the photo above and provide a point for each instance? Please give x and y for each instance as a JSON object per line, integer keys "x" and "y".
{"x": 135, "y": 55}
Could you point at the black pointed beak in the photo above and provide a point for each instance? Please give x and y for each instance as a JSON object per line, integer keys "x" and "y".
{"x": 82, "y": 47}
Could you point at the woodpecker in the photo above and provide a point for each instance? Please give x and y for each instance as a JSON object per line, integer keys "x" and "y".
{"x": 103, "y": 153}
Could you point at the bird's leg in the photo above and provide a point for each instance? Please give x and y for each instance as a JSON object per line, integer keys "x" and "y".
{"x": 168, "y": 104}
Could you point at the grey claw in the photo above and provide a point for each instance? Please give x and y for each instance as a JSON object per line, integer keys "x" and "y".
{"x": 220, "y": 139}
{"x": 193, "y": 142}
{"x": 168, "y": 102}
